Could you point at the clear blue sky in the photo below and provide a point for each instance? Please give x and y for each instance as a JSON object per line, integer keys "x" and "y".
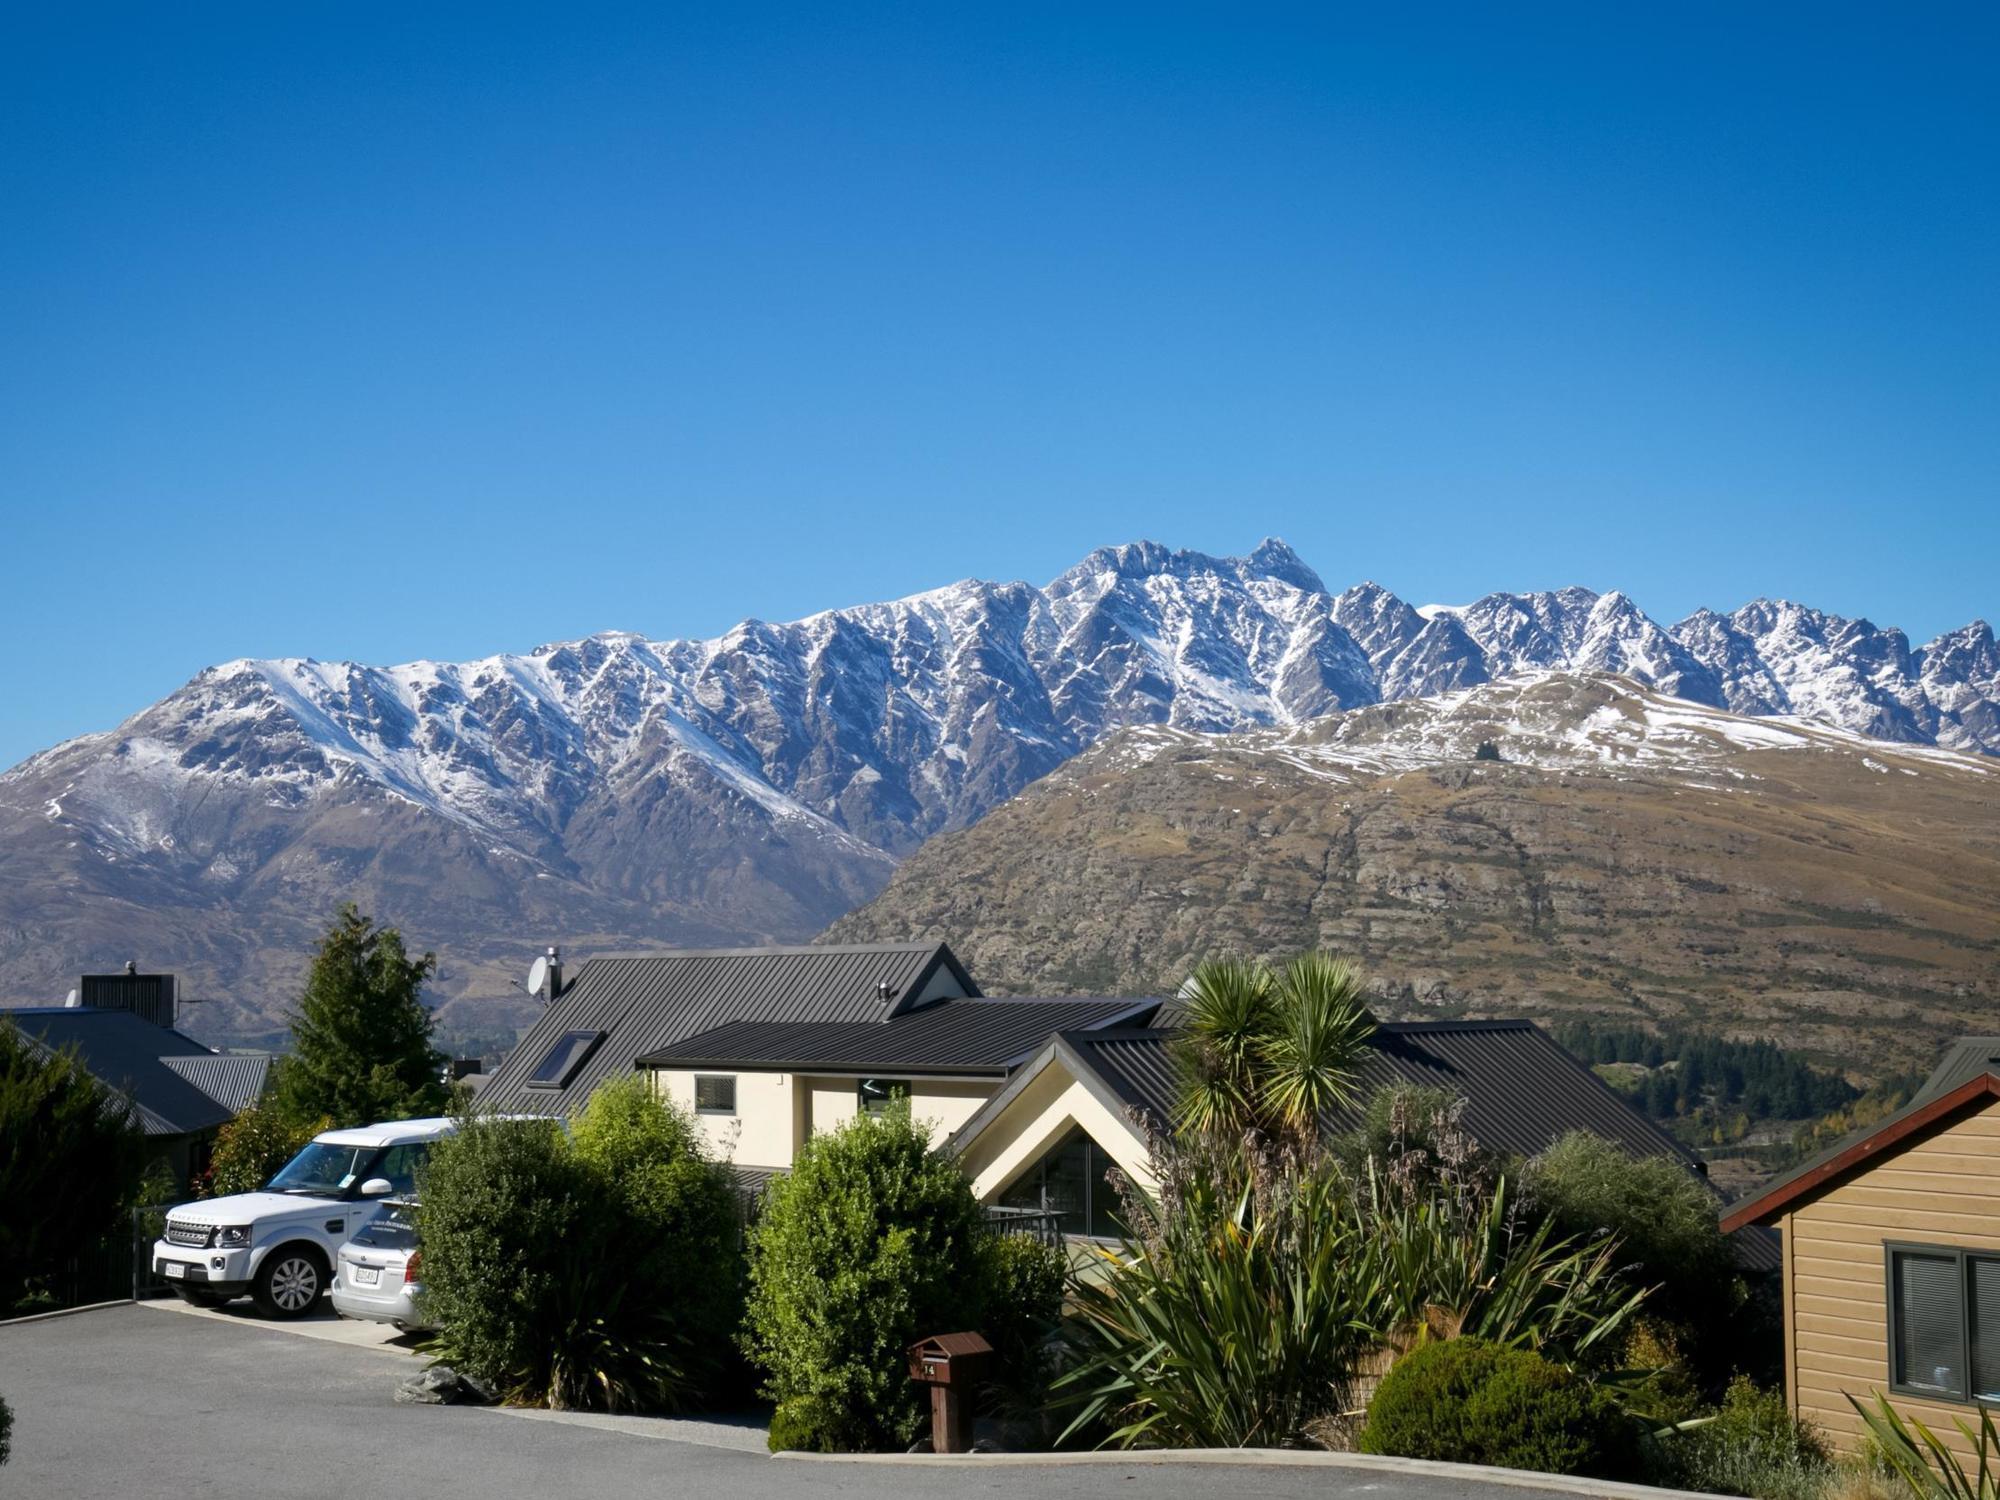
{"x": 419, "y": 330}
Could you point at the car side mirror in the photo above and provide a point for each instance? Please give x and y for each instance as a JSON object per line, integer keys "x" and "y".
{"x": 377, "y": 1187}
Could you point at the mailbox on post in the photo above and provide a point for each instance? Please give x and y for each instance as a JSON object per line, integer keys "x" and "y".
{"x": 950, "y": 1364}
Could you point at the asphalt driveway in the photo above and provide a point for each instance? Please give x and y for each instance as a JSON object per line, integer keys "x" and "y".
{"x": 134, "y": 1401}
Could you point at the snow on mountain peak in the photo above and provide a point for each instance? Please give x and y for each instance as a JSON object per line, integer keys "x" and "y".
{"x": 884, "y": 723}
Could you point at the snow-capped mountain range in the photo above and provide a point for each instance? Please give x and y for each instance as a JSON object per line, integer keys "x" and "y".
{"x": 757, "y": 784}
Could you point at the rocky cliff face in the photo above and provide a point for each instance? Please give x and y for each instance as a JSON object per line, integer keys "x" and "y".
{"x": 755, "y": 786}
{"x": 1630, "y": 854}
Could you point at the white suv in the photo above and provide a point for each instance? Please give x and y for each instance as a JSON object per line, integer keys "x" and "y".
{"x": 279, "y": 1244}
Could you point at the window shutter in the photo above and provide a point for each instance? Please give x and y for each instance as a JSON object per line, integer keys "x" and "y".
{"x": 1929, "y": 1304}
{"x": 1983, "y": 1291}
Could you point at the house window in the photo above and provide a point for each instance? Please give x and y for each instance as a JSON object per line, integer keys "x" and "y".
{"x": 559, "y": 1064}
{"x": 1944, "y": 1323}
{"x": 1071, "y": 1181}
{"x": 714, "y": 1095}
{"x": 872, "y": 1095}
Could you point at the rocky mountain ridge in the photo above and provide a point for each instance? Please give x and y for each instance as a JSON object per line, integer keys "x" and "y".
{"x": 756, "y": 785}
{"x": 1628, "y": 854}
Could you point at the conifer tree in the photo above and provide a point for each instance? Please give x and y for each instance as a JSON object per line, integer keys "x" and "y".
{"x": 361, "y": 1038}
{"x": 71, "y": 1160}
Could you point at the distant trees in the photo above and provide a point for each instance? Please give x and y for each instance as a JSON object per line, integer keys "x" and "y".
{"x": 71, "y": 1162}
{"x": 1487, "y": 751}
{"x": 361, "y": 1038}
{"x": 1691, "y": 1071}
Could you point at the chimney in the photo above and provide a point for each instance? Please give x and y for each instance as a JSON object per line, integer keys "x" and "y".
{"x": 151, "y": 997}
{"x": 883, "y": 990}
{"x": 555, "y": 973}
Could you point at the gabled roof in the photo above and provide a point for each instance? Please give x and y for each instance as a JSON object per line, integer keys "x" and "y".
{"x": 1522, "y": 1090}
{"x": 970, "y": 1036}
{"x": 130, "y": 1056}
{"x": 646, "y": 1003}
{"x": 1964, "y": 1080}
{"x": 234, "y": 1080}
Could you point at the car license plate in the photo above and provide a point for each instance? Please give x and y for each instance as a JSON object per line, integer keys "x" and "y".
{"x": 367, "y": 1276}
{"x": 173, "y": 1269}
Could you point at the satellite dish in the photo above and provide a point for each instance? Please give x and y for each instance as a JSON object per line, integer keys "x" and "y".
{"x": 70, "y": 1001}
{"x": 538, "y": 975}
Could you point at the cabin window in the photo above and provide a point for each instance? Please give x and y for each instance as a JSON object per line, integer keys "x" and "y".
{"x": 714, "y": 1095}
{"x": 872, "y": 1095}
{"x": 1944, "y": 1323}
{"x": 1071, "y": 1181}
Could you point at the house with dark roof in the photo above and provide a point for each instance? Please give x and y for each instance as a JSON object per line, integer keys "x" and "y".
{"x": 761, "y": 1089}
{"x": 1891, "y": 1258}
{"x": 1038, "y": 1097}
{"x": 177, "y": 1091}
{"x": 1089, "y": 1100}
{"x": 615, "y": 1010}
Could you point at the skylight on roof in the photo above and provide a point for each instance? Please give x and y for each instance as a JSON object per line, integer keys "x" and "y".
{"x": 559, "y": 1064}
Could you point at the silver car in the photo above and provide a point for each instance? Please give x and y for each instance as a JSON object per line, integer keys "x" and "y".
{"x": 378, "y": 1270}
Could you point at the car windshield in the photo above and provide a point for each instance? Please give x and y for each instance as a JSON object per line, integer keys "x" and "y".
{"x": 322, "y": 1168}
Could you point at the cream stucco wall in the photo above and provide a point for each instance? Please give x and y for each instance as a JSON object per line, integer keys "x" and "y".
{"x": 776, "y": 1111}
{"x": 761, "y": 1132}
{"x": 1039, "y": 1116}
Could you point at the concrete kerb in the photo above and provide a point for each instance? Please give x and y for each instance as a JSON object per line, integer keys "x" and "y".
{"x": 65, "y": 1312}
{"x": 1278, "y": 1458}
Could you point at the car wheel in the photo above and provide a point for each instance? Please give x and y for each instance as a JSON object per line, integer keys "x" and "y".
{"x": 290, "y": 1282}
{"x": 195, "y": 1297}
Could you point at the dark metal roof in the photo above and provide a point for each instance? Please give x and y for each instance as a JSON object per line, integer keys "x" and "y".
{"x": 646, "y": 1003}
{"x": 1963, "y": 1060}
{"x": 951, "y": 1036}
{"x": 1522, "y": 1090}
{"x": 233, "y": 1080}
{"x": 129, "y": 1055}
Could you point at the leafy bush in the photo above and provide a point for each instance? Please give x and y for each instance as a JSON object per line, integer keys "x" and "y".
{"x": 869, "y": 1243}
{"x": 1236, "y": 1319}
{"x": 590, "y": 1274}
{"x": 1750, "y": 1445}
{"x": 681, "y": 1207}
{"x": 252, "y": 1147}
{"x": 1023, "y": 1282}
{"x": 1664, "y": 1219}
{"x": 1472, "y": 1401}
{"x": 71, "y": 1162}
{"x": 1259, "y": 1280}
{"x": 1408, "y": 1123}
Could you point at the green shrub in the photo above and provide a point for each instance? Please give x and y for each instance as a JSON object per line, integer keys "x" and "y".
{"x": 71, "y": 1162}
{"x": 681, "y": 1207}
{"x": 1750, "y": 1445}
{"x": 1022, "y": 1284}
{"x": 870, "y": 1242}
{"x": 1256, "y": 1281}
{"x": 251, "y": 1148}
{"x": 1409, "y": 1123}
{"x": 598, "y": 1273}
{"x": 1919, "y": 1464}
{"x": 1664, "y": 1219}
{"x": 1236, "y": 1317}
{"x": 1471, "y": 1401}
